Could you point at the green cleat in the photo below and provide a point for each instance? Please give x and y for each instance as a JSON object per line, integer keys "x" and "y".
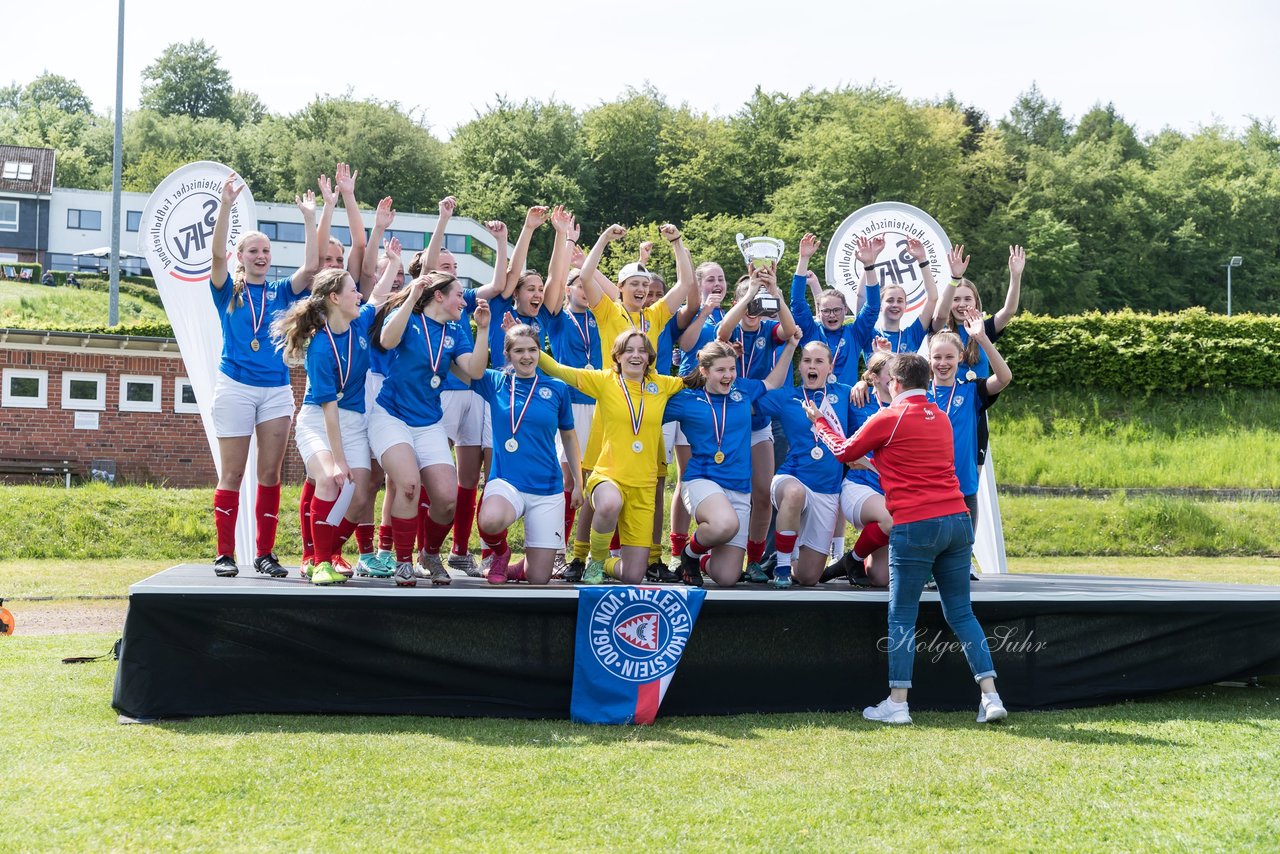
{"x": 369, "y": 566}
{"x": 594, "y": 573}
{"x": 325, "y": 573}
{"x": 756, "y": 575}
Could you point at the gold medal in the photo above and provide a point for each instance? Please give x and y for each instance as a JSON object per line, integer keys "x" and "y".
{"x": 719, "y": 457}
{"x": 254, "y": 345}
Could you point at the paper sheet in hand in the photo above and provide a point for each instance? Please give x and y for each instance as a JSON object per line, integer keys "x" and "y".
{"x": 828, "y": 412}
{"x": 341, "y": 504}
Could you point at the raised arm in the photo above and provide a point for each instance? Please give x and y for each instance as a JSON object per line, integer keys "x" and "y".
{"x": 917, "y": 251}
{"x": 1017, "y": 263}
{"x": 786, "y": 323}
{"x": 685, "y": 287}
{"x": 1001, "y": 376}
{"x": 301, "y": 279}
{"x": 221, "y": 225}
{"x": 431, "y": 260}
{"x": 474, "y": 363}
{"x": 382, "y": 219}
{"x": 551, "y": 367}
{"x": 590, "y": 287}
{"x": 781, "y": 368}
{"x": 533, "y": 220}
{"x": 737, "y": 311}
{"x": 345, "y": 179}
{"x": 324, "y": 230}
{"x": 498, "y": 229}
{"x": 394, "y": 326}
{"x": 382, "y": 289}
{"x": 689, "y": 337}
{"x": 867, "y": 251}
{"x": 959, "y": 262}
{"x": 558, "y": 269}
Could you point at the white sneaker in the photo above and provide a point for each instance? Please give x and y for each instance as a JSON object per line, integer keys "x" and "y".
{"x": 888, "y": 712}
{"x": 990, "y": 709}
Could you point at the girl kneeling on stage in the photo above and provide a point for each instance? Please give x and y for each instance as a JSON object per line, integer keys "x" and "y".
{"x": 420, "y": 325}
{"x": 630, "y": 400}
{"x": 807, "y": 486}
{"x": 332, "y": 433}
{"x": 714, "y": 411}
{"x": 526, "y": 411}
{"x": 252, "y": 394}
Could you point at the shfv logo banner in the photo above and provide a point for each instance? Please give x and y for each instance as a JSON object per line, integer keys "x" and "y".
{"x": 177, "y": 238}
{"x": 896, "y": 222}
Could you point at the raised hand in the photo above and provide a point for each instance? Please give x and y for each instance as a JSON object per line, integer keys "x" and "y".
{"x": 385, "y": 214}
{"x": 345, "y": 179}
{"x": 574, "y": 232}
{"x": 869, "y": 249}
{"x": 481, "y": 315}
{"x": 612, "y": 233}
{"x": 737, "y": 348}
{"x": 536, "y": 216}
{"x": 880, "y": 344}
{"x": 561, "y": 219}
{"x": 447, "y": 206}
{"x": 710, "y": 304}
{"x": 860, "y": 394}
{"x": 669, "y": 232}
{"x": 809, "y": 244}
{"x": 916, "y": 249}
{"x": 976, "y": 327}
{"x": 230, "y": 189}
{"x": 508, "y": 321}
{"x": 497, "y": 228}
{"x": 764, "y": 277}
{"x": 391, "y": 248}
{"x": 646, "y": 249}
{"x": 306, "y": 203}
{"x": 1017, "y": 260}
{"x": 810, "y": 411}
{"x": 577, "y": 257}
{"x": 958, "y": 260}
{"x": 326, "y": 191}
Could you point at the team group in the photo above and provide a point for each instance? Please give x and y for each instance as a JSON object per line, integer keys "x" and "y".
{"x": 564, "y": 397}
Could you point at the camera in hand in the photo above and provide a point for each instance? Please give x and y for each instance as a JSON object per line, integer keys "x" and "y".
{"x": 764, "y": 305}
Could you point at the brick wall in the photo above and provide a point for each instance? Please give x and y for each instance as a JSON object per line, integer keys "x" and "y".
{"x": 164, "y": 448}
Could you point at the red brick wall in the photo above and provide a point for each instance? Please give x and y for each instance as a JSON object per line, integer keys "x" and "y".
{"x": 163, "y": 448}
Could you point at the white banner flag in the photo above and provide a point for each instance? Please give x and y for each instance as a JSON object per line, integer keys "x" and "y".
{"x": 176, "y": 234}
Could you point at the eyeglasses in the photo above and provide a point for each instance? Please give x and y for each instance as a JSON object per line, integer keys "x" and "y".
{"x": 832, "y": 312}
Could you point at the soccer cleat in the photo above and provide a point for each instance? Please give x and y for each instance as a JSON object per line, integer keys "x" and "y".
{"x": 268, "y": 565}
{"x": 497, "y": 573}
{"x": 465, "y": 563}
{"x": 594, "y": 573}
{"x": 573, "y": 571}
{"x": 781, "y": 577}
{"x": 405, "y": 574}
{"x": 327, "y": 573}
{"x": 690, "y": 570}
{"x": 370, "y": 566}
{"x": 387, "y": 559}
{"x": 516, "y": 571}
{"x": 840, "y": 569}
{"x": 652, "y": 572}
{"x": 755, "y": 574}
{"x": 307, "y": 566}
{"x": 434, "y": 569}
{"x": 225, "y": 567}
{"x": 990, "y": 709}
{"x": 888, "y": 712}
{"x": 341, "y": 566}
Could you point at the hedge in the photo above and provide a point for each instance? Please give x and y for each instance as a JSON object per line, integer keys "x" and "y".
{"x": 1143, "y": 352}
{"x": 60, "y": 278}
{"x": 37, "y": 271}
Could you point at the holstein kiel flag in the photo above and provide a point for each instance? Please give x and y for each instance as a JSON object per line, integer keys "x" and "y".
{"x": 629, "y": 642}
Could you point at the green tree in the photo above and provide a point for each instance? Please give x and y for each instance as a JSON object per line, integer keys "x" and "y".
{"x": 1035, "y": 121}
{"x": 621, "y": 142}
{"x": 58, "y": 91}
{"x": 1104, "y": 124}
{"x": 700, "y": 167}
{"x": 187, "y": 80}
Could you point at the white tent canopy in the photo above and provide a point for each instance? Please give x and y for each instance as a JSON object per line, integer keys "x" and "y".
{"x": 105, "y": 252}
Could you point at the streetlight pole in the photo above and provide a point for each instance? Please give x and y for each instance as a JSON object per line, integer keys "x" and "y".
{"x": 1235, "y": 261}
{"x": 113, "y": 309}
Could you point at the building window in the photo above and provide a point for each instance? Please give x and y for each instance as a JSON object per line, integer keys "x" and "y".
{"x": 16, "y": 170}
{"x": 285, "y": 232}
{"x": 139, "y": 394}
{"x": 84, "y": 391}
{"x": 25, "y": 389}
{"x": 8, "y": 216}
{"x": 132, "y": 220}
{"x": 342, "y": 232}
{"x": 84, "y": 220}
{"x": 184, "y": 396}
{"x": 412, "y": 241}
{"x": 456, "y": 243}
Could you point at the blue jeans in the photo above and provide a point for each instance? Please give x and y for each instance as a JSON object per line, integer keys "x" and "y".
{"x": 943, "y": 546}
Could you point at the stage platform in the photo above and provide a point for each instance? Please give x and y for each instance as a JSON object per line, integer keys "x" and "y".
{"x": 195, "y": 644}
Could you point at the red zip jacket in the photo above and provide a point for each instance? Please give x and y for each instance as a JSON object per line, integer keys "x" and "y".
{"x": 914, "y": 454}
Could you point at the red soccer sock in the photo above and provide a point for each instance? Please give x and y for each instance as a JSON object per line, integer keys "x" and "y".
{"x": 323, "y": 532}
{"x": 695, "y": 545}
{"x": 402, "y": 534}
{"x": 424, "y": 513}
{"x": 497, "y": 543}
{"x": 268, "y": 513}
{"x": 755, "y": 551}
{"x": 463, "y": 516}
{"x": 785, "y": 543}
{"x": 615, "y": 543}
{"x": 872, "y": 539}
{"x": 364, "y": 537}
{"x": 304, "y": 519}
{"x": 678, "y": 542}
{"x": 435, "y": 534}
{"x": 570, "y": 513}
{"x": 385, "y": 541}
{"x": 226, "y": 506}
{"x": 345, "y": 529}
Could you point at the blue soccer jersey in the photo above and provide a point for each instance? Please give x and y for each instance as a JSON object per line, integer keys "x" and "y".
{"x": 248, "y": 354}
{"x": 707, "y": 334}
{"x": 575, "y": 343}
{"x": 808, "y": 460}
{"x": 526, "y": 414}
{"x": 718, "y": 424}
{"x": 452, "y": 383}
{"x": 857, "y": 417}
{"x": 964, "y": 403}
{"x": 847, "y": 342}
{"x": 426, "y": 350}
{"x": 337, "y": 363}
{"x": 498, "y": 308}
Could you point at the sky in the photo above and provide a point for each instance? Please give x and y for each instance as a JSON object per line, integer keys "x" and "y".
{"x": 1171, "y": 64}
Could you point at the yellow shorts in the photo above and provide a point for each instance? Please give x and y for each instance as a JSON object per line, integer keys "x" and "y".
{"x": 635, "y": 522}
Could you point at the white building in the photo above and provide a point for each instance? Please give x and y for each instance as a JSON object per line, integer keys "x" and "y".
{"x": 80, "y": 220}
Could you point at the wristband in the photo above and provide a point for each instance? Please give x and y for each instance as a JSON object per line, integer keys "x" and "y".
{"x": 924, "y": 263}
{"x": 957, "y": 278}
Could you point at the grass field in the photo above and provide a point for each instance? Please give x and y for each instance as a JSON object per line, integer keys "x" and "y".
{"x": 36, "y": 307}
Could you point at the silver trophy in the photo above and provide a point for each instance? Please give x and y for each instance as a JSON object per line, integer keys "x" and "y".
{"x": 761, "y": 251}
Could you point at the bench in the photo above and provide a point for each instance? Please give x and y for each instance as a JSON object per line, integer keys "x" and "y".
{"x": 37, "y": 468}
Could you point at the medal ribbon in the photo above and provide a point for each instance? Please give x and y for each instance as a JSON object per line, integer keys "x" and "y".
{"x": 432, "y": 359}
{"x": 342, "y": 376}
{"x": 584, "y": 332}
{"x": 644, "y": 321}
{"x": 637, "y": 416}
{"x": 743, "y": 360}
{"x": 515, "y": 423}
{"x": 717, "y": 427}
{"x": 257, "y": 315}
{"x": 950, "y": 397}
